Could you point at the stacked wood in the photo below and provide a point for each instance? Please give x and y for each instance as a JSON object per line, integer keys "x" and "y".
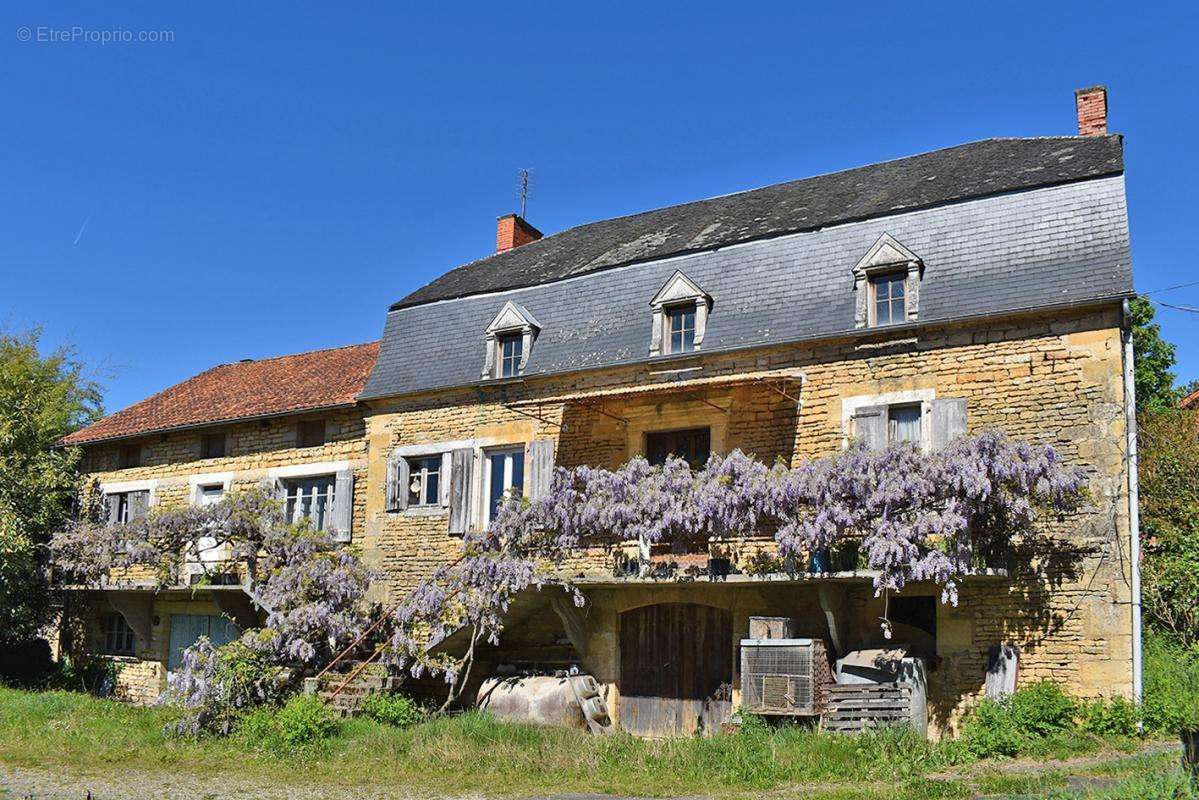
{"x": 853, "y": 708}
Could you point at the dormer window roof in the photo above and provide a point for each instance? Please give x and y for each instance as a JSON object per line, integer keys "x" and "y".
{"x": 509, "y": 341}
{"x": 887, "y": 284}
{"x": 680, "y": 316}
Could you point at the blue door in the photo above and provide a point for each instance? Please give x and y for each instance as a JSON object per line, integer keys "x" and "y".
{"x": 187, "y": 628}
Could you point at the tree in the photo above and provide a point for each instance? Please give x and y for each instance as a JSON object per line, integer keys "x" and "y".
{"x": 1153, "y": 356}
{"x": 1169, "y": 462}
{"x": 42, "y": 399}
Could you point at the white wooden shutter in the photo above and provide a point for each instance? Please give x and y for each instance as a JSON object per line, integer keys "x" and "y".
{"x": 461, "y": 466}
{"x": 541, "y": 467}
{"x": 443, "y": 485}
{"x": 397, "y": 482}
{"x": 343, "y": 505}
{"x": 113, "y": 507}
{"x": 139, "y": 504}
{"x": 948, "y": 420}
{"x": 870, "y": 426}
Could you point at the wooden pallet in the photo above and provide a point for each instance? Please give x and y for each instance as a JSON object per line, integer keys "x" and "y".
{"x": 853, "y": 708}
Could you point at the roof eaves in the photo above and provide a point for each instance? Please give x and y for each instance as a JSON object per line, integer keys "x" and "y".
{"x": 853, "y": 333}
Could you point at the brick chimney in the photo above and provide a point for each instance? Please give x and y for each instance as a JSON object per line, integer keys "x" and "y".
{"x": 1092, "y": 111}
{"x": 512, "y": 231}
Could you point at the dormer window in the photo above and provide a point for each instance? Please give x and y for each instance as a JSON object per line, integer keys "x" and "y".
{"x": 680, "y": 317}
{"x": 509, "y": 339}
{"x": 887, "y": 283}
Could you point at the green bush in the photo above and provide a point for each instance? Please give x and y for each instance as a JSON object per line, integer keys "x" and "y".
{"x": 1171, "y": 699}
{"x": 393, "y": 709}
{"x": 1116, "y": 717}
{"x": 1010, "y": 726}
{"x": 300, "y": 727}
{"x": 989, "y": 731}
{"x": 1041, "y": 709}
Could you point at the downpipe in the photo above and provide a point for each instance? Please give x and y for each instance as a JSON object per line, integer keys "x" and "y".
{"x": 1134, "y": 513}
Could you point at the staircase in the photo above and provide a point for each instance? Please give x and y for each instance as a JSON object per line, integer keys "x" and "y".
{"x": 372, "y": 678}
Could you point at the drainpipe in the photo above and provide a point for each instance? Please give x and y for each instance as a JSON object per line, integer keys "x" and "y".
{"x": 1134, "y": 513}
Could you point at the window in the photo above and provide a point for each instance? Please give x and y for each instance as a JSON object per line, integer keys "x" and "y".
{"x": 130, "y": 455}
{"x": 511, "y": 347}
{"x": 680, "y": 322}
{"x": 889, "y": 304}
{"x": 127, "y": 506}
{"x": 694, "y": 445}
{"x": 310, "y": 499}
{"x": 310, "y": 433}
{"x": 210, "y": 494}
{"x": 505, "y": 472}
{"x": 118, "y": 636}
{"x": 903, "y": 423}
{"x": 212, "y": 445}
{"x": 424, "y": 484}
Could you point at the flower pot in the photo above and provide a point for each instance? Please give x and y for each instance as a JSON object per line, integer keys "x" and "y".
{"x": 820, "y": 561}
{"x": 718, "y": 567}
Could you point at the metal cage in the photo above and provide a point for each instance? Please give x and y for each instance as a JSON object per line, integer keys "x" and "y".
{"x": 778, "y": 676}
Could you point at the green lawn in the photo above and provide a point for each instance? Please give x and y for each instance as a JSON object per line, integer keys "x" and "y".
{"x": 78, "y": 733}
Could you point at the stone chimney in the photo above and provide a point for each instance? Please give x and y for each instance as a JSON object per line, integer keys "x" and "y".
{"x": 1092, "y": 111}
{"x": 512, "y": 231}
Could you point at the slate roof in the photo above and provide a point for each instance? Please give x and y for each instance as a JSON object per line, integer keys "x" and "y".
{"x": 1034, "y": 224}
{"x": 978, "y": 169}
{"x": 247, "y": 389}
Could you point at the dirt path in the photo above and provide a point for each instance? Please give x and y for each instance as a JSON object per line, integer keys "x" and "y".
{"x": 132, "y": 784}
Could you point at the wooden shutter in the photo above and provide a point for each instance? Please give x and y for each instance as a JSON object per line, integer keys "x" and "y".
{"x": 443, "y": 485}
{"x": 139, "y": 504}
{"x": 541, "y": 467}
{"x": 397, "y": 482}
{"x": 948, "y": 418}
{"x": 343, "y": 505}
{"x": 462, "y": 463}
{"x": 870, "y": 426}
{"x": 113, "y": 504}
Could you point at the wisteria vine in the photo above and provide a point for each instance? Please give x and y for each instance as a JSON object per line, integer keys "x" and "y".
{"x": 915, "y": 516}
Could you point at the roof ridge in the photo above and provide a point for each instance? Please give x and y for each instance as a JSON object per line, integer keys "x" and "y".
{"x": 285, "y": 355}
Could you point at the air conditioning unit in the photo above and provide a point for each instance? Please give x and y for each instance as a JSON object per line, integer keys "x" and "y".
{"x": 778, "y": 676}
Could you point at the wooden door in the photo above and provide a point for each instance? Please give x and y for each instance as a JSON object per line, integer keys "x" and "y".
{"x": 676, "y": 669}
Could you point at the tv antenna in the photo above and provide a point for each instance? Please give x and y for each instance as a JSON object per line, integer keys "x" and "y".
{"x": 524, "y": 176}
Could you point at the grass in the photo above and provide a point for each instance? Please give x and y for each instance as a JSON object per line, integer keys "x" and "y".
{"x": 473, "y": 753}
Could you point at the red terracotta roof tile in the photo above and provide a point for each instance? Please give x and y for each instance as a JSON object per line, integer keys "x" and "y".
{"x": 1190, "y": 401}
{"x": 247, "y": 389}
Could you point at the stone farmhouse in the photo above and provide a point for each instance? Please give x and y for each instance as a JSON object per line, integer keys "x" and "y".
{"x": 983, "y": 285}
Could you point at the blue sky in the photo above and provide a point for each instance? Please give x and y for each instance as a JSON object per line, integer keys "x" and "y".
{"x": 271, "y": 179}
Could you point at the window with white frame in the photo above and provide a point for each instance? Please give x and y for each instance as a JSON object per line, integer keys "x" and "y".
{"x": 511, "y": 347}
{"x": 889, "y": 306}
{"x": 680, "y": 323}
{"x": 310, "y": 499}
{"x": 424, "y": 481}
{"x": 504, "y": 474}
{"x": 118, "y": 636}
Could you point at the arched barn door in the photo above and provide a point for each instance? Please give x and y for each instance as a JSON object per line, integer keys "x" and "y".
{"x": 676, "y": 669}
